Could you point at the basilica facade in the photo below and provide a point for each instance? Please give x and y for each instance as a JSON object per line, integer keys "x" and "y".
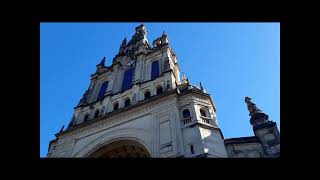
{"x": 139, "y": 107}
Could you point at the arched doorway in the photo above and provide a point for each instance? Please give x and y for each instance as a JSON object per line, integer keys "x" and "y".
{"x": 121, "y": 149}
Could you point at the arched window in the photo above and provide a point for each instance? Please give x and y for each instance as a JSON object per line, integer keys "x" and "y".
{"x": 202, "y": 113}
{"x": 127, "y": 79}
{"x": 86, "y": 117}
{"x": 96, "y": 114}
{"x": 159, "y": 90}
{"x": 147, "y": 95}
{"x": 102, "y": 91}
{"x": 186, "y": 113}
{"x": 154, "y": 70}
{"x": 116, "y": 106}
{"x": 127, "y": 102}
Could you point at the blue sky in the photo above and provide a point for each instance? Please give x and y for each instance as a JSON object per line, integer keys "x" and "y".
{"x": 232, "y": 60}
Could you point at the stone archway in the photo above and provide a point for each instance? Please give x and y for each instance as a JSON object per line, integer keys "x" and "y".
{"x": 121, "y": 149}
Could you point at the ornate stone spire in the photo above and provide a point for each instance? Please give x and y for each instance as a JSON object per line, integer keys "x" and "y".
{"x": 102, "y": 61}
{"x": 101, "y": 65}
{"x": 122, "y": 46}
{"x": 257, "y": 116}
{"x": 139, "y": 36}
{"x": 252, "y": 107}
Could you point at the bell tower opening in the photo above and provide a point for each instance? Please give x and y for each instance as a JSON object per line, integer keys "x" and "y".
{"x": 121, "y": 149}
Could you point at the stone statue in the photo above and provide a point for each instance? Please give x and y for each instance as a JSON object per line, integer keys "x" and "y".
{"x": 252, "y": 107}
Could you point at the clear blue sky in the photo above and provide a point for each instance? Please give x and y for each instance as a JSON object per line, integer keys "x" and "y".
{"x": 232, "y": 60}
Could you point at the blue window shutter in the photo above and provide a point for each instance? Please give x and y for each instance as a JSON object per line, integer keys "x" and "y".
{"x": 127, "y": 79}
{"x": 155, "y": 70}
{"x": 102, "y": 91}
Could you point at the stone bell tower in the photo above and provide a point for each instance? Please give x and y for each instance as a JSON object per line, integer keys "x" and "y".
{"x": 138, "y": 107}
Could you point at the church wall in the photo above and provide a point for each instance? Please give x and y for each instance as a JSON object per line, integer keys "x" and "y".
{"x": 213, "y": 143}
{"x": 63, "y": 149}
{"x": 245, "y": 150}
{"x": 154, "y": 124}
{"x": 138, "y": 128}
{"x": 168, "y": 132}
{"x": 191, "y": 137}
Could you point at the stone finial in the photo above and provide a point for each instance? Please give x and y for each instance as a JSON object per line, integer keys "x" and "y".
{"x": 123, "y": 46}
{"x": 164, "y": 34}
{"x": 61, "y": 129}
{"x": 164, "y": 38}
{"x": 184, "y": 78}
{"x": 252, "y": 107}
{"x": 102, "y": 61}
{"x": 101, "y": 65}
{"x": 201, "y": 87}
{"x": 141, "y": 28}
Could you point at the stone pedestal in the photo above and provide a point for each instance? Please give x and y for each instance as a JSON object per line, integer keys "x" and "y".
{"x": 268, "y": 134}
